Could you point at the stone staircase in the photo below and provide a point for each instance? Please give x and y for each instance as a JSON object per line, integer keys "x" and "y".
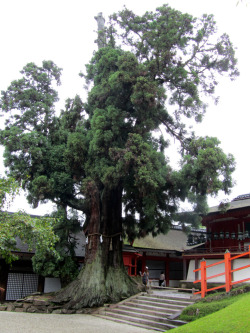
{"x": 155, "y": 311}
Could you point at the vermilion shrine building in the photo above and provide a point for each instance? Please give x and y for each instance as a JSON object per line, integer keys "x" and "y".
{"x": 227, "y": 230}
{"x": 161, "y": 253}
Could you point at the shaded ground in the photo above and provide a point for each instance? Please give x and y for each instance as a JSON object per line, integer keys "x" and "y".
{"x": 14, "y": 322}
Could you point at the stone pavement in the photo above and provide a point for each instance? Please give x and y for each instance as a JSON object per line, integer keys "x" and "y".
{"x": 16, "y": 322}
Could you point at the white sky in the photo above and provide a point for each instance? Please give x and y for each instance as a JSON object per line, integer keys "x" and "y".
{"x": 64, "y": 31}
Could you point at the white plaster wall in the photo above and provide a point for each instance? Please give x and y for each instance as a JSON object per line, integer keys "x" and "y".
{"x": 244, "y": 273}
{"x": 210, "y": 271}
{"x": 239, "y": 275}
{"x": 190, "y": 275}
{"x": 215, "y": 270}
{"x": 52, "y": 284}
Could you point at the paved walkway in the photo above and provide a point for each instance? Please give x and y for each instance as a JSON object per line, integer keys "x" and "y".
{"x": 171, "y": 292}
{"x": 15, "y": 322}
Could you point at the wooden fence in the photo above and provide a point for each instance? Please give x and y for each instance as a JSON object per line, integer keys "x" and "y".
{"x": 228, "y": 259}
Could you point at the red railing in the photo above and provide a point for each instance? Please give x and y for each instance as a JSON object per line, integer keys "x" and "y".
{"x": 228, "y": 273}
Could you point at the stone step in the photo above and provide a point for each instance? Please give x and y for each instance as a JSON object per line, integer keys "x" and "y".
{"x": 149, "y": 311}
{"x": 177, "y": 296}
{"x": 156, "y": 308}
{"x": 166, "y": 299}
{"x": 159, "y": 303}
{"x": 130, "y": 323}
{"x": 146, "y": 309}
{"x": 145, "y": 321}
{"x": 177, "y": 322}
{"x": 152, "y": 317}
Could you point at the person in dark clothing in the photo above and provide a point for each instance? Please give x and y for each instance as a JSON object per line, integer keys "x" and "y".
{"x": 162, "y": 280}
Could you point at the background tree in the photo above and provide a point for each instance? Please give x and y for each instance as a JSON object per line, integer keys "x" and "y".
{"x": 105, "y": 157}
{"x": 37, "y": 233}
{"x": 64, "y": 265}
{"x": 52, "y": 239}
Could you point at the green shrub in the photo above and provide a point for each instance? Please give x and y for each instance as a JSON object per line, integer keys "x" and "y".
{"x": 212, "y": 303}
{"x": 200, "y": 309}
{"x": 232, "y": 319}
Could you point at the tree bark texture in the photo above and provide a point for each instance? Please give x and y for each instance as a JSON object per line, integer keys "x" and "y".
{"x": 103, "y": 279}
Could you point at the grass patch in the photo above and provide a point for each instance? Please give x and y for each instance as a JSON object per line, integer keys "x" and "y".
{"x": 232, "y": 319}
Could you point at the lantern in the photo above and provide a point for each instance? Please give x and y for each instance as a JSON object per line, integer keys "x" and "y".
{"x": 216, "y": 236}
{"x": 190, "y": 240}
{"x": 196, "y": 240}
{"x": 202, "y": 238}
{"x": 209, "y": 236}
{"x": 240, "y": 235}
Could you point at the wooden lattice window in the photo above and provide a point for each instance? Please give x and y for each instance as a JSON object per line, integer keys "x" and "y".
{"x": 20, "y": 285}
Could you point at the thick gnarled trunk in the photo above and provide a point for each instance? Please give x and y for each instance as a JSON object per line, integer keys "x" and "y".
{"x": 103, "y": 279}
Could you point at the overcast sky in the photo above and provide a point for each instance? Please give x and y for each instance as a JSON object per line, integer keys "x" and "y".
{"x": 64, "y": 31}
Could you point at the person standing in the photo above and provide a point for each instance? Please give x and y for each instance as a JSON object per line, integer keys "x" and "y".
{"x": 145, "y": 276}
{"x": 162, "y": 280}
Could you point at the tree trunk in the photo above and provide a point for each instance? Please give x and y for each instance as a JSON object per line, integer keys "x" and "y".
{"x": 103, "y": 279}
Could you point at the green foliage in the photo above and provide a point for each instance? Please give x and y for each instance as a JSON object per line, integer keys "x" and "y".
{"x": 51, "y": 238}
{"x": 199, "y": 310}
{"x": 178, "y": 50}
{"x": 8, "y": 189}
{"x": 205, "y": 169}
{"x": 37, "y": 233}
{"x": 64, "y": 265}
{"x": 170, "y": 64}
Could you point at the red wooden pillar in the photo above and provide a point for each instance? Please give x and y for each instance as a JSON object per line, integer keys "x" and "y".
{"x": 228, "y": 273}
{"x": 203, "y": 278}
{"x": 143, "y": 262}
{"x": 135, "y": 259}
{"x": 167, "y": 270}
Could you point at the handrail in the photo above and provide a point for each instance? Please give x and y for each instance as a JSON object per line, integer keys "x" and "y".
{"x": 217, "y": 263}
{"x": 216, "y": 250}
{"x": 228, "y": 273}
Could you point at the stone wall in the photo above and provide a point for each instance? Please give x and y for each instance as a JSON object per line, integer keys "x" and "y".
{"x": 39, "y": 303}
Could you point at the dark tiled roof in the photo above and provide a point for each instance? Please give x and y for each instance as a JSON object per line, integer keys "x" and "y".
{"x": 242, "y": 197}
{"x": 22, "y": 247}
{"x": 174, "y": 240}
{"x": 79, "y": 249}
{"x": 235, "y": 204}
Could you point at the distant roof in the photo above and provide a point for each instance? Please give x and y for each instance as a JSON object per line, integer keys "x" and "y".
{"x": 79, "y": 249}
{"x": 235, "y": 204}
{"x": 174, "y": 240}
{"x": 22, "y": 247}
{"x": 79, "y": 238}
{"x": 242, "y": 197}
